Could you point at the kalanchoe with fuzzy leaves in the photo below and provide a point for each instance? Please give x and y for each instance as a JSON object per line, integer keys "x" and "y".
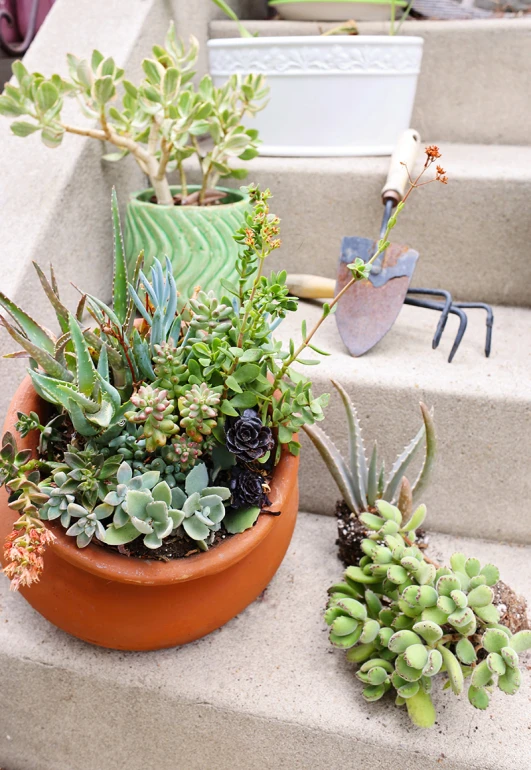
{"x": 247, "y": 488}
{"x": 248, "y": 438}
{"x": 404, "y": 619}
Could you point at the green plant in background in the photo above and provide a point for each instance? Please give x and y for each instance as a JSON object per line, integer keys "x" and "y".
{"x": 361, "y": 481}
{"x": 156, "y": 121}
{"x": 404, "y": 619}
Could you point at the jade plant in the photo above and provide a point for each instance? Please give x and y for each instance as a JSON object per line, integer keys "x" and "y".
{"x": 406, "y": 620}
{"x": 157, "y": 121}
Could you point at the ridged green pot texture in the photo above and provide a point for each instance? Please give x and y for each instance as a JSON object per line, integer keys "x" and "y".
{"x": 197, "y": 239}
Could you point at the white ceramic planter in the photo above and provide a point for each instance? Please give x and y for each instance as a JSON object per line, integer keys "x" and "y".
{"x": 340, "y": 10}
{"x": 330, "y": 96}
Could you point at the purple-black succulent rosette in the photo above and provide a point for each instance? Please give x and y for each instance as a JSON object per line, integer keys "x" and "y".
{"x": 247, "y": 488}
{"x": 248, "y": 438}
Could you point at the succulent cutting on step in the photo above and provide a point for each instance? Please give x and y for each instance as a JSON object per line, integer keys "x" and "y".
{"x": 362, "y": 482}
{"x": 404, "y": 619}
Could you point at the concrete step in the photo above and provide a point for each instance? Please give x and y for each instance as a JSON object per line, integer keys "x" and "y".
{"x": 463, "y": 93}
{"x": 473, "y": 234}
{"x": 482, "y": 414}
{"x": 265, "y": 692}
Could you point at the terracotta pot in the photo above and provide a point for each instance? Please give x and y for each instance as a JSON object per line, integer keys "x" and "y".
{"x": 124, "y": 603}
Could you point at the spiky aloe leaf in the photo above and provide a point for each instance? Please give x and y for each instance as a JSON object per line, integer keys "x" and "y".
{"x": 335, "y": 464}
{"x": 42, "y": 357}
{"x": 60, "y": 310}
{"x": 400, "y": 466}
{"x": 79, "y": 421}
{"x": 62, "y": 392}
{"x": 119, "y": 285}
{"x": 372, "y": 477}
{"x": 86, "y": 372}
{"x": 130, "y": 318}
{"x": 97, "y": 304}
{"x": 35, "y": 333}
{"x": 358, "y": 461}
{"x": 115, "y": 359}
{"x": 430, "y": 454}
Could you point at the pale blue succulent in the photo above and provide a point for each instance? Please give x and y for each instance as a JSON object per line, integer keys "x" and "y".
{"x": 201, "y": 506}
{"x": 126, "y": 481}
{"x": 60, "y": 497}
{"x": 88, "y": 523}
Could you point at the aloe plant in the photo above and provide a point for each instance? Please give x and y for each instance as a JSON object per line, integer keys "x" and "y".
{"x": 363, "y": 482}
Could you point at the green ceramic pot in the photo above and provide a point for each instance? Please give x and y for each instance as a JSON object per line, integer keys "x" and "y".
{"x": 197, "y": 239}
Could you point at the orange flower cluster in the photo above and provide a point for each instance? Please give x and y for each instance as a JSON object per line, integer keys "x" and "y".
{"x": 24, "y": 549}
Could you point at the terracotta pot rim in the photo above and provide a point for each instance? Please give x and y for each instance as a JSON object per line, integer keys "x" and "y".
{"x": 243, "y": 200}
{"x": 124, "y": 569}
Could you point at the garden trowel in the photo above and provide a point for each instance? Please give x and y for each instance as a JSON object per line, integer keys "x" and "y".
{"x": 368, "y": 310}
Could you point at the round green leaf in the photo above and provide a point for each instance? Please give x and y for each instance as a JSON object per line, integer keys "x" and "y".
{"x": 402, "y": 640}
{"x": 465, "y": 651}
{"x": 455, "y": 673}
{"x": 481, "y": 675}
{"x": 370, "y": 631}
{"x": 510, "y": 682}
{"x": 373, "y": 692}
{"x": 496, "y": 663}
{"x": 416, "y": 656}
{"x": 494, "y": 640}
{"x": 434, "y": 663}
{"x": 492, "y": 574}
{"x": 344, "y": 625}
{"x": 478, "y": 697}
{"x": 430, "y": 632}
{"x": 240, "y": 520}
{"x": 396, "y": 574}
{"x": 480, "y": 596}
{"x": 345, "y": 642}
{"x": 407, "y": 672}
{"x": 354, "y": 608}
{"x": 521, "y": 641}
{"x": 510, "y": 657}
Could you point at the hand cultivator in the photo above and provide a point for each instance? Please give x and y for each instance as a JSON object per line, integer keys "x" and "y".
{"x": 369, "y": 308}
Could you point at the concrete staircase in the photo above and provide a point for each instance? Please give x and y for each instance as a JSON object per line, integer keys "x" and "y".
{"x": 267, "y": 691}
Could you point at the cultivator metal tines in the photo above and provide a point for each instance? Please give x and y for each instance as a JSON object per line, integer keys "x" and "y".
{"x": 446, "y": 307}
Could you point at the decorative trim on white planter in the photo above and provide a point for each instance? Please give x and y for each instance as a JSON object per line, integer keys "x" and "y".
{"x": 283, "y": 57}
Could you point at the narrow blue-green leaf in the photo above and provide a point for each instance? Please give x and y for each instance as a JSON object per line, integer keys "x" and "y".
{"x": 119, "y": 286}
{"x": 86, "y": 373}
{"x": 335, "y": 464}
{"x": 430, "y": 455}
{"x": 358, "y": 462}
{"x": 31, "y": 328}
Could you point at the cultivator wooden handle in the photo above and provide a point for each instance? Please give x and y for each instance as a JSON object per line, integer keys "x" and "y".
{"x": 308, "y": 286}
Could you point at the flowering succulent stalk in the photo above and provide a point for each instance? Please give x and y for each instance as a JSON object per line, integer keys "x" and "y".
{"x": 23, "y": 551}
{"x": 404, "y": 619}
{"x": 155, "y": 411}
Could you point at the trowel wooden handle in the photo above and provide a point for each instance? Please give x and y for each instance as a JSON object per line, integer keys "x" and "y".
{"x": 310, "y": 286}
{"x": 406, "y": 151}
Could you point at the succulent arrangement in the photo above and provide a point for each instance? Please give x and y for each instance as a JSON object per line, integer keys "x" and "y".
{"x": 405, "y": 619}
{"x": 163, "y": 430}
{"x": 157, "y": 121}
